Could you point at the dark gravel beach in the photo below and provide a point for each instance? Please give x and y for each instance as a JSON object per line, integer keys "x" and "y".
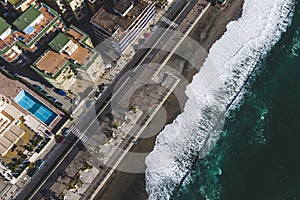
{"x": 209, "y": 29}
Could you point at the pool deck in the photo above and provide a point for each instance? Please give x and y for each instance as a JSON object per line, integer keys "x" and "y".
{"x": 11, "y": 88}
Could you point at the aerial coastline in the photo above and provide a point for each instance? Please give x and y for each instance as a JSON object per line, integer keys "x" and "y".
{"x": 149, "y": 99}
{"x": 209, "y": 29}
{"x": 64, "y": 70}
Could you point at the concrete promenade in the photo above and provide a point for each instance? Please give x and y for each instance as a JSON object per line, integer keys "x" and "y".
{"x": 121, "y": 157}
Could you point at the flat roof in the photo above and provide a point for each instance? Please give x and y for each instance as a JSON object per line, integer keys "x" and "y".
{"x": 59, "y": 42}
{"x": 11, "y": 88}
{"x": 107, "y": 19}
{"x": 27, "y": 18}
{"x": 51, "y": 62}
{"x": 75, "y": 34}
{"x": 3, "y": 25}
{"x": 123, "y": 5}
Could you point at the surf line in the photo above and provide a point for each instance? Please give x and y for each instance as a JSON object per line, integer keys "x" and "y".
{"x": 197, "y": 157}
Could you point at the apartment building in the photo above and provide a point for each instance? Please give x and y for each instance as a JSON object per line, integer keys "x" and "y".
{"x": 78, "y": 8}
{"x": 21, "y": 135}
{"x": 120, "y": 24}
{"x": 69, "y": 53}
{"x": 35, "y": 23}
{"x": 21, "y": 5}
{"x": 70, "y": 9}
{"x": 94, "y": 5}
{"x": 26, "y": 124}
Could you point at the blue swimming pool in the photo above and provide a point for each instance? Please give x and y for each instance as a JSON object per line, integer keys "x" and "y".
{"x": 35, "y": 107}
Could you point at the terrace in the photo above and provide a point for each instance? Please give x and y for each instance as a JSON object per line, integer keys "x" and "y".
{"x": 19, "y": 146}
{"x": 10, "y": 136}
{"x": 82, "y": 55}
{"x": 7, "y": 38}
{"x": 8, "y": 41}
{"x": 12, "y": 54}
{"x": 79, "y": 36}
{"x": 22, "y": 5}
{"x": 14, "y": 2}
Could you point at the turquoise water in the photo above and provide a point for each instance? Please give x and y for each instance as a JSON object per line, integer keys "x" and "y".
{"x": 257, "y": 156}
{"x": 35, "y": 107}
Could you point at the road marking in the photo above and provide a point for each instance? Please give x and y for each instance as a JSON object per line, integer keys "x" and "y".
{"x": 66, "y": 154}
{"x": 169, "y": 22}
{"x": 157, "y": 41}
{"x": 179, "y": 42}
{"x": 155, "y": 44}
{"x": 52, "y": 171}
{"x": 79, "y": 134}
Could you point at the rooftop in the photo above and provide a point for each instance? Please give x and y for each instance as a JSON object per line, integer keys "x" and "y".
{"x": 123, "y": 5}
{"x": 75, "y": 34}
{"x": 53, "y": 61}
{"x": 27, "y": 18}
{"x": 11, "y": 88}
{"x": 59, "y": 42}
{"x": 3, "y": 25}
{"x": 27, "y": 41}
{"x": 111, "y": 22}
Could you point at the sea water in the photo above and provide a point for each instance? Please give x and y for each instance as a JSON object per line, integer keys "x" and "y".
{"x": 255, "y": 156}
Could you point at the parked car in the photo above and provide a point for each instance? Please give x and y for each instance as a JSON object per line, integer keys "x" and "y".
{"x": 59, "y": 103}
{"x": 38, "y": 88}
{"x": 44, "y": 92}
{"x": 97, "y": 95}
{"x": 60, "y": 91}
{"x": 66, "y": 132}
{"x": 60, "y": 140}
{"x": 52, "y": 99}
{"x": 39, "y": 164}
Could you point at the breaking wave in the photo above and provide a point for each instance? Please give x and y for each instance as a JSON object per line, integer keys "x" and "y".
{"x": 235, "y": 57}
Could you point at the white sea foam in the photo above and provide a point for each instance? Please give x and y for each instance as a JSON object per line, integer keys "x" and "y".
{"x": 195, "y": 131}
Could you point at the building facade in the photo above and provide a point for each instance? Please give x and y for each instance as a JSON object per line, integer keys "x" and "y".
{"x": 70, "y": 9}
{"x": 94, "y": 5}
{"x": 21, "y": 5}
{"x": 120, "y": 25}
{"x": 78, "y": 8}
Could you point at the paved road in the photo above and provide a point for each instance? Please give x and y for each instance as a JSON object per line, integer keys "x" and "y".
{"x": 135, "y": 67}
{"x": 102, "y": 106}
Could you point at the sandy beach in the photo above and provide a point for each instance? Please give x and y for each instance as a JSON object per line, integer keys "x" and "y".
{"x": 209, "y": 29}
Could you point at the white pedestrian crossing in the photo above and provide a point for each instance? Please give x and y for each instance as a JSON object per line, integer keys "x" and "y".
{"x": 169, "y": 22}
{"x": 79, "y": 134}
